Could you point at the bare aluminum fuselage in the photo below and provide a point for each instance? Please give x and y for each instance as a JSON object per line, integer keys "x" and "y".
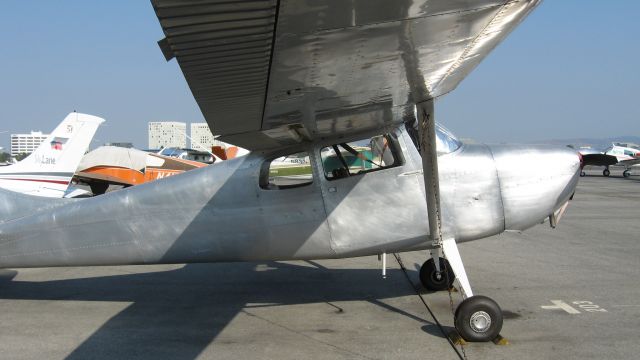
{"x": 220, "y": 213}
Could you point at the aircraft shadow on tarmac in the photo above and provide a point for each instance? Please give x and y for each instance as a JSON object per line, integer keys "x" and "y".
{"x": 178, "y": 313}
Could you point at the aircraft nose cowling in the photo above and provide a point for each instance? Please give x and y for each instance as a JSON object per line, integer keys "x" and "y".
{"x": 535, "y": 181}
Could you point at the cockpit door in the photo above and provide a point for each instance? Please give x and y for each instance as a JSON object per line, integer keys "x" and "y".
{"x": 373, "y": 208}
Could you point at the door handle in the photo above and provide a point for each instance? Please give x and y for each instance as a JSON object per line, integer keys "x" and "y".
{"x": 409, "y": 173}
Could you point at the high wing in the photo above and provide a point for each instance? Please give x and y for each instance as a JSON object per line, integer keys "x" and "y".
{"x": 598, "y": 160}
{"x": 269, "y": 73}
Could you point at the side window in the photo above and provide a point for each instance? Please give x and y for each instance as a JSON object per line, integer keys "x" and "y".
{"x": 359, "y": 157}
{"x": 286, "y": 172}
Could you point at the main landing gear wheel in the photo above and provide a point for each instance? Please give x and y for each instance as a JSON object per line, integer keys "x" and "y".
{"x": 478, "y": 319}
{"x": 626, "y": 173}
{"x": 606, "y": 172}
{"x": 429, "y": 276}
{"x": 582, "y": 173}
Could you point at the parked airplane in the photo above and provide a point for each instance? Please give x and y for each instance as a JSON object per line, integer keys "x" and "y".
{"x": 49, "y": 169}
{"x": 124, "y": 167}
{"x": 622, "y": 154}
{"x": 300, "y": 77}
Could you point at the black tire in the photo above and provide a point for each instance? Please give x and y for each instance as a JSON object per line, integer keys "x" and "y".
{"x": 98, "y": 187}
{"x": 478, "y": 319}
{"x": 428, "y": 275}
{"x": 583, "y": 174}
{"x": 606, "y": 172}
{"x": 626, "y": 173}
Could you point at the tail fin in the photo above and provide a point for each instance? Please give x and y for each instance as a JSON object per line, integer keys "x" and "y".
{"x": 49, "y": 169}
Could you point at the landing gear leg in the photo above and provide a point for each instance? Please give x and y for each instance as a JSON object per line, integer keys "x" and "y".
{"x": 477, "y": 318}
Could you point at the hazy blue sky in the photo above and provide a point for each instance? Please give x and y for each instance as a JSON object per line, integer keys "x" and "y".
{"x": 570, "y": 70}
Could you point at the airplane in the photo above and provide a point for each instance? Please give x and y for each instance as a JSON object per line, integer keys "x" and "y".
{"x": 49, "y": 169}
{"x": 623, "y": 154}
{"x": 124, "y": 167}
{"x": 295, "y": 77}
{"x": 111, "y": 165}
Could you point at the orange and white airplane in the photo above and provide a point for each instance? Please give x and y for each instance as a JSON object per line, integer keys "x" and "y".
{"x": 110, "y": 165}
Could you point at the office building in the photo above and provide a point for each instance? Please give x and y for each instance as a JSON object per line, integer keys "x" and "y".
{"x": 164, "y": 134}
{"x": 202, "y": 138}
{"x": 26, "y": 143}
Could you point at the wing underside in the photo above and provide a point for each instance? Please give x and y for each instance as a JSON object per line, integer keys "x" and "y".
{"x": 270, "y": 73}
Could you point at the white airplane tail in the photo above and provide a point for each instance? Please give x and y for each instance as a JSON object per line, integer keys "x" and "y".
{"x": 50, "y": 168}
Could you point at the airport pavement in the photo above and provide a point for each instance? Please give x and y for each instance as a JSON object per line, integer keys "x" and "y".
{"x": 585, "y": 273}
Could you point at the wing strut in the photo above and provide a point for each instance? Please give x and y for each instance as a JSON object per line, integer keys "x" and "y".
{"x": 428, "y": 151}
{"x": 477, "y": 318}
{"x": 448, "y": 247}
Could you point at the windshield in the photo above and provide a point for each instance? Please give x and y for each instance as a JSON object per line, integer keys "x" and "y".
{"x": 174, "y": 152}
{"x": 446, "y": 142}
{"x": 627, "y": 145}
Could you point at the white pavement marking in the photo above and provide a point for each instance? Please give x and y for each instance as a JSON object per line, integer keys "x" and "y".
{"x": 561, "y": 305}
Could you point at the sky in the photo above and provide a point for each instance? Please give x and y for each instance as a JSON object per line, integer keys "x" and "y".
{"x": 569, "y": 71}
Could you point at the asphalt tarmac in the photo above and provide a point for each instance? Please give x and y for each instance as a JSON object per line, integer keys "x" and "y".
{"x": 568, "y": 293}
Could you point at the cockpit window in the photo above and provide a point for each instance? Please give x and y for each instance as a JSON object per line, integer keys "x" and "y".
{"x": 286, "y": 172}
{"x": 359, "y": 157}
{"x": 446, "y": 142}
{"x": 170, "y": 151}
{"x": 627, "y": 145}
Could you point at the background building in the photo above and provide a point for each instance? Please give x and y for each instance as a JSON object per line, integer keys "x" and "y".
{"x": 167, "y": 134}
{"x": 202, "y": 138}
{"x": 26, "y": 143}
